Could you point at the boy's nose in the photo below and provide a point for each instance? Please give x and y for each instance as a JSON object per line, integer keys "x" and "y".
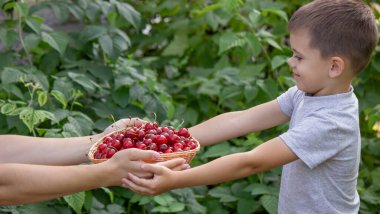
{"x": 291, "y": 62}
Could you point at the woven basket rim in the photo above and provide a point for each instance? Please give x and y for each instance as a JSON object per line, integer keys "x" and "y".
{"x": 163, "y": 156}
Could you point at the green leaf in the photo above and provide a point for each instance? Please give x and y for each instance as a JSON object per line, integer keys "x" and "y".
{"x": 255, "y": 44}
{"x": 31, "y": 41}
{"x": 224, "y": 193}
{"x": 230, "y": 5}
{"x": 128, "y": 13}
{"x": 277, "y": 12}
{"x": 60, "y": 97}
{"x": 121, "y": 96}
{"x": 273, "y": 43}
{"x": 92, "y": 32}
{"x": 245, "y": 206}
{"x": 176, "y": 207}
{"x": 34, "y": 23}
{"x": 254, "y": 16}
{"x": 230, "y": 40}
{"x": 75, "y": 201}
{"x": 106, "y": 43}
{"x": 261, "y": 189}
{"x": 42, "y": 97}
{"x": 110, "y": 194}
{"x": 8, "y": 37}
{"x": 22, "y": 9}
{"x": 217, "y": 150}
{"x": 178, "y": 46}
{"x": 11, "y": 75}
{"x": 270, "y": 203}
{"x": 161, "y": 209}
{"x": 164, "y": 199}
{"x": 277, "y": 61}
{"x": 32, "y": 117}
{"x": 56, "y": 40}
{"x": 83, "y": 80}
{"x": 8, "y": 108}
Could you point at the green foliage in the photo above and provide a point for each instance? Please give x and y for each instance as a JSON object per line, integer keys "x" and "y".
{"x": 183, "y": 60}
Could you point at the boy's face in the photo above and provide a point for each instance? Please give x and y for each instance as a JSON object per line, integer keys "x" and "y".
{"x": 310, "y": 70}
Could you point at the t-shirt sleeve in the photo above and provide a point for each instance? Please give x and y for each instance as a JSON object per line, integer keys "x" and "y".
{"x": 315, "y": 139}
{"x": 286, "y": 100}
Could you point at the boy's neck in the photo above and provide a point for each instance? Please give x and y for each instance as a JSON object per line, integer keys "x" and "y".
{"x": 332, "y": 90}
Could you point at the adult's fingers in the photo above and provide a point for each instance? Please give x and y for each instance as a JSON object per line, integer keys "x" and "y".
{"x": 139, "y": 154}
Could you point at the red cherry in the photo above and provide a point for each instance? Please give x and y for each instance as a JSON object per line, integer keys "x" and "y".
{"x": 116, "y": 144}
{"x": 110, "y": 152}
{"x": 183, "y": 132}
{"x": 140, "y": 134}
{"x": 148, "y": 141}
{"x": 141, "y": 146}
{"x": 177, "y": 146}
{"x": 127, "y": 144}
{"x": 101, "y": 147}
{"x": 174, "y": 138}
{"x": 168, "y": 151}
{"x": 107, "y": 139}
{"x": 160, "y": 139}
{"x": 153, "y": 146}
{"x": 163, "y": 147}
{"x": 97, "y": 155}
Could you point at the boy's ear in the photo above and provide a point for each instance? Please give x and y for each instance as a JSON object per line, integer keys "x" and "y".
{"x": 337, "y": 67}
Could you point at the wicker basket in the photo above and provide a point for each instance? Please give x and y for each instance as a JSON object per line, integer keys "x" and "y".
{"x": 187, "y": 155}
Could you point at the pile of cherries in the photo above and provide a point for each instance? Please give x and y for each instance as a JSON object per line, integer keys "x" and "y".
{"x": 148, "y": 136}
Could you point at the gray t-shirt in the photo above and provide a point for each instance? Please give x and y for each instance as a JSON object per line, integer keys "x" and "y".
{"x": 324, "y": 133}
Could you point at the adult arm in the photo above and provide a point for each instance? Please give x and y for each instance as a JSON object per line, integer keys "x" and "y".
{"x": 52, "y": 151}
{"x": 24, "y": 183}
{"x": 234, "y": 124}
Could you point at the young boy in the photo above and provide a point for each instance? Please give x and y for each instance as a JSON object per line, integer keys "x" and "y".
{"x": 332, "y": 41}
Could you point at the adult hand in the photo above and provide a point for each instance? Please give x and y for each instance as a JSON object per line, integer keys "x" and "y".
{"x": 162, "y": 180}
{"x": 130, "y": 161}
{"x": 123, "y": 123}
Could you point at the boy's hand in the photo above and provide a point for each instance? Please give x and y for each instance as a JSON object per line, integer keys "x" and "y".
{"x": 162, "y": 180}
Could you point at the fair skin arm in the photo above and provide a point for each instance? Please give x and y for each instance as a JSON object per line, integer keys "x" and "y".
{"x": 234, "y": 124}
{"x": 223, "y": 127}
{"x": 268, "y": 155}
{"x": 24, "y": 183}
{"x": 22, "y": 180}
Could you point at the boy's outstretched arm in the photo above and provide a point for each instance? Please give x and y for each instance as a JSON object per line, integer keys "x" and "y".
{"x": 268, "y": 155}
{"x": 234, "y": 124}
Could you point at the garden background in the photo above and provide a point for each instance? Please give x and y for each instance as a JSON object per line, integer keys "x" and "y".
{"x": 69, "y": 68}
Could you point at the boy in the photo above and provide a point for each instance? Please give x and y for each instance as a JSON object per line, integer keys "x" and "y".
{"x": 332, "y": 41}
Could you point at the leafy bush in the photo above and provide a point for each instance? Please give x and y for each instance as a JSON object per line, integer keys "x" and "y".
{"x": 185, "y": 61}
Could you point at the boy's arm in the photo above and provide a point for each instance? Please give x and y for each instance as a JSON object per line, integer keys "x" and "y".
{"x": 268, "y": 155}
{"x": 234, "y": 124}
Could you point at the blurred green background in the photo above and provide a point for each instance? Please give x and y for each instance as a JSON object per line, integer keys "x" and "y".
{"x": 67, "y": 68}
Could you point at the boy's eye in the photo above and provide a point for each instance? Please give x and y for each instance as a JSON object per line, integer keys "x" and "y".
{"x": 297, "y": 57}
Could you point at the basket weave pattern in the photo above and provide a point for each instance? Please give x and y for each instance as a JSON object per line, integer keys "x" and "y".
{"x": 187, "y": 155}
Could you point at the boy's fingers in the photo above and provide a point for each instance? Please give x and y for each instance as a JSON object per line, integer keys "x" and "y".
{"x": 136, "y": 188}
{"x": 172, "y": 163}
{"x": 153, "y": 168}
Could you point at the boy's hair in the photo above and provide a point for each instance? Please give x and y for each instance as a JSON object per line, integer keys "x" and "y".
{"x": 339, "y": 27}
